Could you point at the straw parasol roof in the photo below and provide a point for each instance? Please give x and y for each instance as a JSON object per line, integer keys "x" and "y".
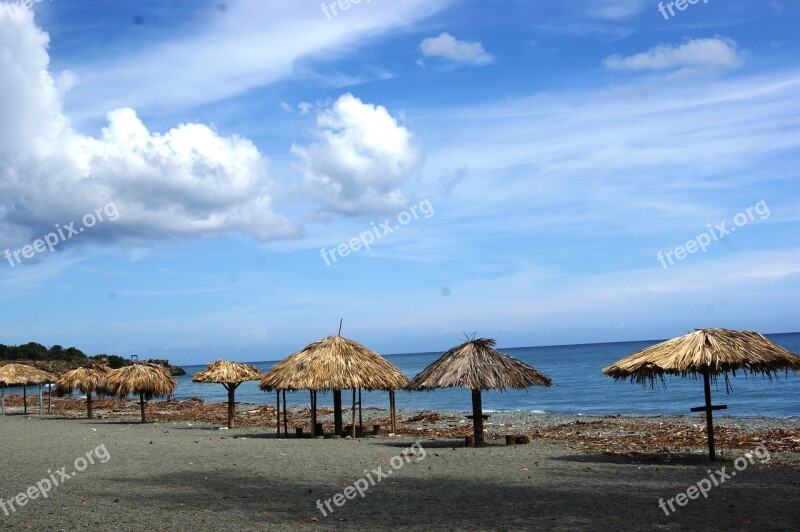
{"x": 22, "y": 375}
{"x": 145, "y": 379}
{"x": 706, "y": 352}
{"x": 713, "y": 350}
{"x": 87, "y": 380}
{"x": 230, "y": 375}
{"x": 224, "y": 372}
{"x": 477, "y": 365}
{"x": 335, "y": 363}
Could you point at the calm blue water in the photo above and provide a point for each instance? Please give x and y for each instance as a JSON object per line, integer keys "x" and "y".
{"x": 579, "y": 387}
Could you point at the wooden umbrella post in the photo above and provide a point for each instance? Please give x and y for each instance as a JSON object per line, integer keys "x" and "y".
{"x": 477, "y": 417}
{"x": 337, "y": 412}
{"x": 313, "y": 413}
{"x": 278, "y": 411}
{"x": 231, "y": 387}
{"x": 89, "y": 409}
{"x": 141, "y": 404}
{"x": 49, "y": 397}
{"x": 353, "y": 423}
{"x": 709, "y": 410}
{"x": 3, "y": 398}
{"x": 24, "y": 398}
{"x": 285, "y": 421}
{"x": 392, "y": 417}
{"x": 360, "y": 418}
{"x": 40, "y": 400}
{"x": 712, "y": 455}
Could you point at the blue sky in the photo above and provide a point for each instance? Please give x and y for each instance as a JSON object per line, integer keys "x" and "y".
{"x": 549, "y": 173}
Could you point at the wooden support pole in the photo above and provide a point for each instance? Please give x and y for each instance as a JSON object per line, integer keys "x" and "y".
{"x": 3, "y": 398}
{"x": 337, "y": 413}
{"x": 40, "y": 400}
{"x": 89, "y": 406}
{"x": 712, "y": 455}
{"x": 477, "y": 414}
{"x": 285, "y": 420}
{"x": 353, "y": 424}
{"x": 360, "y": 418}
{"x": 231, "y": 386}
{"x": 392, "y": 416}
{"x": 278, "y": 412}
{"x": 25, "y": 398}
{"x": 313, "y": 413}
{"x": 141, "y": 403}
{"x": 49, "y": 397}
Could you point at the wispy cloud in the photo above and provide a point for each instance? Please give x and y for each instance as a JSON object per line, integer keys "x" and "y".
{"x": 448, "y": 48}
{"x": 617, "y": 9}
{"x": 715, "y": 53}
{"x": 250, "y": 44}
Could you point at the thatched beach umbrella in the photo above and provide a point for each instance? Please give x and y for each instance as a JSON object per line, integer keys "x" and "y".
{"x": 476, "y": 365}
{"x": 86, "y": 380}
{"x": 706, "y": 352}
{"x": 335, "y": 363}
{"x": 145, "y": 379}
{"x": 22, "y": 375}
{"x": 230, "y": 375}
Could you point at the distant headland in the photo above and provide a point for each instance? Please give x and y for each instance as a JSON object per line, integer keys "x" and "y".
{"x": 57, "y": 359}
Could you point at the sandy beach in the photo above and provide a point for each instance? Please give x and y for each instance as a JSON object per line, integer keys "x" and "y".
{"x": 169, "y": 475}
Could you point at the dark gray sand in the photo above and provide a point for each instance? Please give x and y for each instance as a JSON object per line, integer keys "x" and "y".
{"x": 184, "y": 476}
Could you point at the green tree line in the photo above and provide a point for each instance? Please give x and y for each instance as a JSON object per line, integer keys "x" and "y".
{"x": 34, "y": 351}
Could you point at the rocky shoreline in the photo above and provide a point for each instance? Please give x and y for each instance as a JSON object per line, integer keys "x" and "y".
{"x": 654, "y": 438}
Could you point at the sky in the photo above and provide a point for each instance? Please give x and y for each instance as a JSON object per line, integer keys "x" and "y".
{"x": 196, "y": 180}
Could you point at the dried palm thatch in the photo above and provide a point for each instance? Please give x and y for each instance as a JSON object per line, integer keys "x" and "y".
{"x": 706, "y": 352}
{"x": 334, "y": 363}
{"x": 230, "y": 375}
{"x": 477, "y": 365}
{"x": 87, "y": 380}
{"x": 716, "y": 351}
{"x": 145, "y": 379}
{"x": 22, "y": 375}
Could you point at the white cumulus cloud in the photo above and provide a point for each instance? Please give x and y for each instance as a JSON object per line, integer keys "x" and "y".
{"x": 360, "y": 160}
{"x": 187, "y": 182}
{"x": 711, "y": 53}
{"x": 447, "y": 47}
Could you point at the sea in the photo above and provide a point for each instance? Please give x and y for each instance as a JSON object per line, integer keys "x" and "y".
{"x": 579, "y": 387}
